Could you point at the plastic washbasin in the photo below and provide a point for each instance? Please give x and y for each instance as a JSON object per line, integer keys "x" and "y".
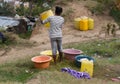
{"x": 71, "y": 53}
{"x": 79, "y": 57}
{"x": 41, "y": 61}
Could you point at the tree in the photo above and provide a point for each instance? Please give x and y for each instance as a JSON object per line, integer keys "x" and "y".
{"x": 6, "y": 9}
{"x": 30, "y": 5}
{"x": 32, "y": 2}
{"x": 36, "y": 6}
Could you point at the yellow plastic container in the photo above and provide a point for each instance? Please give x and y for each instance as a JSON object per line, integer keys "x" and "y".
{"x": 90, "y": 23}
{"x": 77, "y": 23}
{"x": 48, "y": 53}
{"x": 87, "y": 66}
{"x": 45, "y": 15}
{"x": 84, "y": 24}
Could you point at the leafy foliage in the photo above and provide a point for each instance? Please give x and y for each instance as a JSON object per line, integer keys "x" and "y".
{"x": 35, "y": 7}
{"x": 6, "y": 9}
{"x": 103, "y": 6}
{"x": 115, "y": 13}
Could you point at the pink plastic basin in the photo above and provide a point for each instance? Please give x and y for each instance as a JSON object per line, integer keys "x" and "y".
{"x": 71, "y": 53}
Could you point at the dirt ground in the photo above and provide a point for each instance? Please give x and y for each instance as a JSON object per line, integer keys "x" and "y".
{"x": 70, "y": 34}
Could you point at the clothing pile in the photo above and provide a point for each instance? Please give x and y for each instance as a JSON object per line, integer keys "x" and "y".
{"x": 76, "y": 74}
{"x": 2, "y": 37}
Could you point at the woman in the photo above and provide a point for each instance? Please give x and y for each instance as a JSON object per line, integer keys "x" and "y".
{"x": 55, "y": 32}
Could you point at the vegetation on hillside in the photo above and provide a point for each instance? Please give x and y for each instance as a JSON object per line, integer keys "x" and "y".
{"x": 112, "y": 7}
{"x": 109, "y": 7}
{"x": 6, "y": 10}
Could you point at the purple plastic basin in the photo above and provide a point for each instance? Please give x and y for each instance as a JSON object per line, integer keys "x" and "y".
{"x": 71, "y": 53}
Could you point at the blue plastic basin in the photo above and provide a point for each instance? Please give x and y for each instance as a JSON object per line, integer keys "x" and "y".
{"x": 79, "y": 57}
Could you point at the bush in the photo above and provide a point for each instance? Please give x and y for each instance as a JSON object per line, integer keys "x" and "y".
{"x": 102, "y": 6}
{"x": 98, "y": 9}
{"x": 36, "y": 7}
{"x": 115, "y": 13}
{"x": 36, "y": 10}
{"x": 6, "y": 10}
{"x": 22, "y": 11}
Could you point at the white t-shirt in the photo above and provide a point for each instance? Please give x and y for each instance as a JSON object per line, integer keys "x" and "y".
{"x": 56, "y": 23}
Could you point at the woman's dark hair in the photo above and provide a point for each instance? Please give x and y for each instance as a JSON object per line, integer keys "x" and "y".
{"x": 58, "y": 10}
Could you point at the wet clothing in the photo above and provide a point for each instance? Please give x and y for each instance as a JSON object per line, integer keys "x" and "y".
{"x": 2, "y": 37}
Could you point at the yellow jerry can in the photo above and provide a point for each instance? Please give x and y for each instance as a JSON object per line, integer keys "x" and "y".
{"x": 87, "y": 66}
{"x": 90, "y": 23}
{"x": 77, "y": 23}
{"x": 84, "y": 24}
{"x": 45, "y": 15}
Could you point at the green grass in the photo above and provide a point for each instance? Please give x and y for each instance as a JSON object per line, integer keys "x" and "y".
{"x": 25, "y": 35}
{"x": 17, "y": 71}
{"x": 22, "y": 71}
{"x": 13, "y": 40}
{"x": 55, "y": 77}
{"x": 105, "y": 52}
{"x": 104, "y": 48}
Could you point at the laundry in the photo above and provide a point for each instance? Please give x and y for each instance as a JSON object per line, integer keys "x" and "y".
{"x": 2, "y": 37}
{"x": 76, "y": 74}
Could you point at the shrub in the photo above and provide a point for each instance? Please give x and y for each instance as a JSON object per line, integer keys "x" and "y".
{"x": 102, "y": 6}
{"x": 6, "y": 10}
{"x": 22, "y": 11}
{"x": 36, "y": 7}
{"x": 98, "y": 9}
{"x": 115, "y": 13}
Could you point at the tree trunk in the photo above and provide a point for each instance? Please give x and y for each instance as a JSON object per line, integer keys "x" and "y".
{"x": 30, "y": 7}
